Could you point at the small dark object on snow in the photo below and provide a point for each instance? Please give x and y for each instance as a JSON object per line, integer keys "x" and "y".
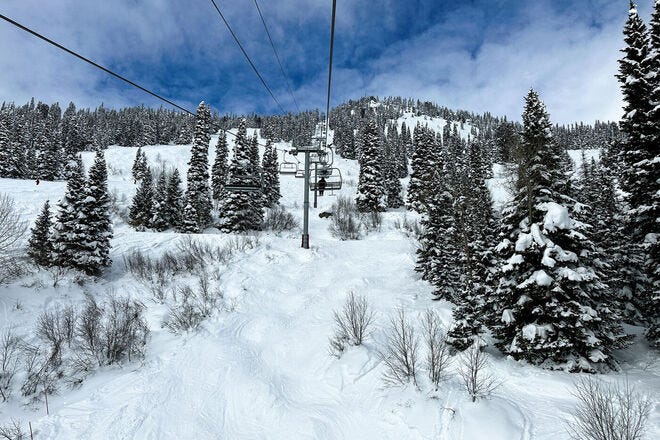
{"x": 37, "y": 181}
{"x": 325, "y": 214}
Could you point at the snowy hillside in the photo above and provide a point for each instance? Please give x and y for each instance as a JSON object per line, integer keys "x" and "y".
{"x": 259, "y": 367}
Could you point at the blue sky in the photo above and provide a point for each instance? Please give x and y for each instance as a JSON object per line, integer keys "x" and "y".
{"x": 479, "y": 55}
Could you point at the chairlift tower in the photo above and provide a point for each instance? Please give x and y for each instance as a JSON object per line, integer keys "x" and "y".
{"x": 318, "y": 145}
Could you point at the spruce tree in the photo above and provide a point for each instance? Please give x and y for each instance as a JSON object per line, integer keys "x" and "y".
{"x": 640, "y": 165}
{"x": 198, "y": 192}
{"x": 220, "y": 170}
{"x": 159, "y": 220}
{"x": 174, "y": 203}
{"x": 424, "y": 166}
{"x": 40, "y": 248}
{"x": 271, "y": 175}
{"x": 95, "y": 253}
{"x": 141, "y": 211}
{"x": 371, "y": 195}
{"x": 551, "y": 307}
{"x": 139, "y": 165}
{"x": 240, "y": 210}
{"x": 190, "y": 215}
{"x": 69, "y": 228}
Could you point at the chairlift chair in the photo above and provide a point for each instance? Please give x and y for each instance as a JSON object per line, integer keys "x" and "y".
{"x": 288, "y": 167}
{"x": 333, "y": 180}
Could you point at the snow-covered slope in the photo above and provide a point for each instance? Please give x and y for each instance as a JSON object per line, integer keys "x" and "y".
{"x": 260, "y": 369}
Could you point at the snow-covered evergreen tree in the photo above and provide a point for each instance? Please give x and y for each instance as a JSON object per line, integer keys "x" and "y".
{"x": 95, "y": 252}
{"x": 271, "y": 175}
{"x": 69, "y": 229}
{"x": 371, "y": 194}
{"x": 551, "y": 306}
{"x": 140, "y": 165}
{"x": 424, "y": 167}
{"x": 40, "y": 248}
{"x": 640, "y": 163}
{"x": 242, "y": 210}
{"x": 174, "y": 203}
{"x": 160, "y": 220}
{"x": 198, "y": 192}
{"x": 141, "y": 211}
{"x": 220, "y": 169}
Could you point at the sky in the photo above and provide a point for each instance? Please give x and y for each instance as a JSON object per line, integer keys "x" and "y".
{"x": 476, "y": 55}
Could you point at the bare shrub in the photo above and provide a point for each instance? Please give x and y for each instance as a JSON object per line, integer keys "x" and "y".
{"x": 411, "y": 228}
{"x": 12, "y": 227}
{"x": 39, "y": 374}
{"x": 278, "y": 219}
{"x": 9, "y": 357}
{"x": 345, "y": 218}
{"x": 12, "y": 431}
{"x": 437, "y": 354}
{"x": 608, "y": 412}
{"x": 473, "y": 370}
{"x": 351, "y": 324}
{"x": 371, "y": 221}
{"x": 190, "y": 256}
{"x": 192, "y": 306}
{"x": 108, "y": 333}
{"x": 57, "y": 327}
{"x": 400, "y": 352}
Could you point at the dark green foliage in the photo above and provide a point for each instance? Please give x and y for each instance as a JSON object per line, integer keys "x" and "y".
{"x": 220, "y": 169}
{"x": 40, "y": 248}
{"x": 371, "y": 195}
{"x": 173, "y": 212}
{"x": 141, "y": 210}
{"x": 96, "y": 247}
{"x": 198, "y": 192}
{"x": 271, "y": 176}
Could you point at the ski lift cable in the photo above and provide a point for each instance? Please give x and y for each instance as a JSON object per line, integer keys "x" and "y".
{"x": 116, "y": 75}
{"x": 277, "y": 56}
{"x": 332, "y": 45}
{"x": 247, "y": 57}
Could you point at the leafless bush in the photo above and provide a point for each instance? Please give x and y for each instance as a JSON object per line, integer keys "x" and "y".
{"x": 57, "y": 327}
{"x": 473, "y": 370}
{"x": 191, "y": 256}
{"x": 411, "y": 228}
{"x": 278, "y": 219}
{"x": 192, "y": 306}
{"x": 400, "y": 353}
{"x": 437, "y": 355}
{"x": 108, "y": 333}
{"x": 12, "y": 227}
{"x": 351, "y": 324}
{"x": 12, "y": 431}
{"x": 608, "y": 412}
{"x": 9, "y": 357}
{"x": 39, "y": 374}
{"x": 371, "y": 221}
{"x": 345, "y": 218}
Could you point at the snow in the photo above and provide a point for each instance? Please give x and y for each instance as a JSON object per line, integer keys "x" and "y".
{"x": 259, "y": 369}
{"x": 556, "y": 216}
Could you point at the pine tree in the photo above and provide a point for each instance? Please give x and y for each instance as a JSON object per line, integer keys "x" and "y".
{"x": 640, "y": 165}
{"x": 241, "y": 210}
{"x": 40, "y": 248}
{"x": 174, "y": 202}
{"x": 140, "y": 165}
{"x": 425, "y": 165}
{"x": 271, "y": 176}
{"x": 160, "y": 220}
{"x": 198, "y": 192}
{"x": 69, "y": 232}
{"x": 95, "y": 253}
{"x": 652, "y": 241}
{"x": 551, "y": 306}
{"x": 220, "y": 170}
{"x": 141, "y": 211}
{"x": 371, "y": 194}
{"x": 190, "y": 215}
